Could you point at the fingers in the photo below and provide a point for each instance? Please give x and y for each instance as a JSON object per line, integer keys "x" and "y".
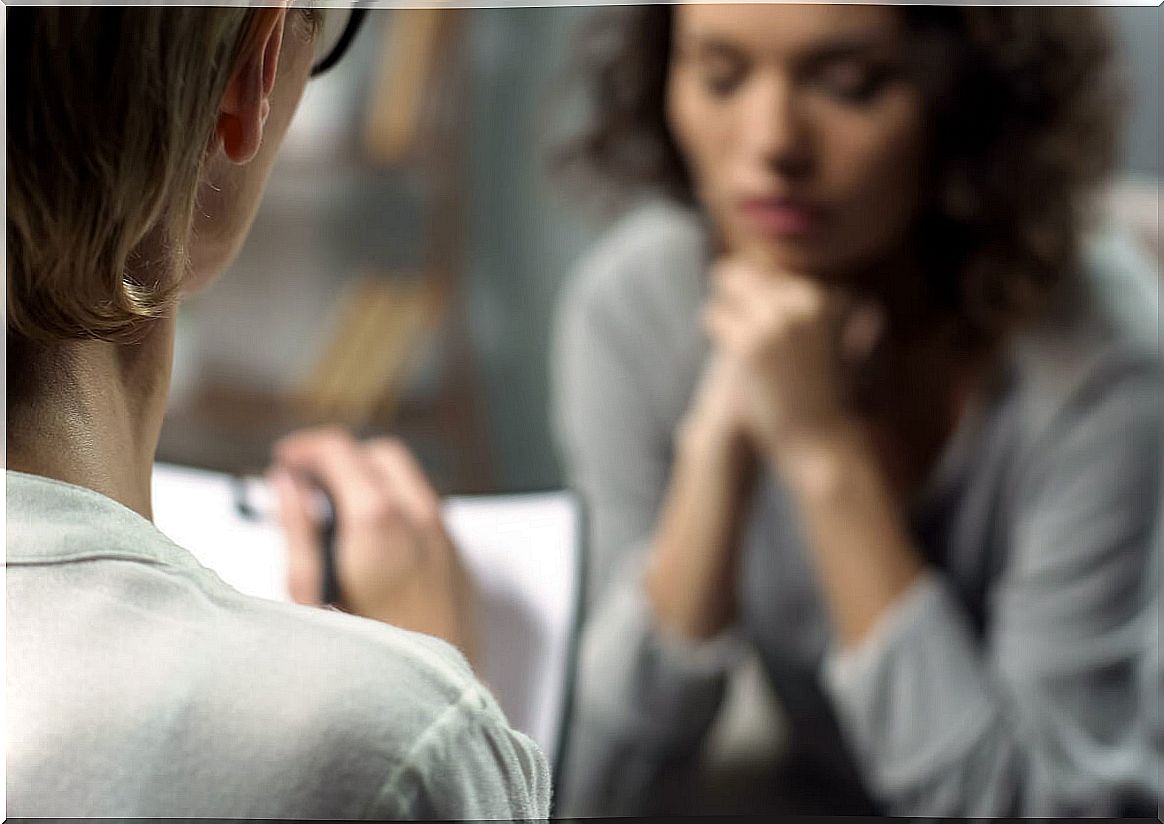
{"x": 733, "y": 307}
{"x": 722, "y": 324}
{"x": 732, "y": 287}
{"x": 750, "y": 308}
{"x": 751, "y": 291}
{"x": 333, "y": 456}
{"x": 304, "y": 557}
{"x": 369, "y": 481}
{"x": 400, "y": 472}
{"x": 394, "y": 558}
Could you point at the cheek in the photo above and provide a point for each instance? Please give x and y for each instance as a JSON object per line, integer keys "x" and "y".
{"x": 878, "y": 176}
{"x": 702, "y": 131}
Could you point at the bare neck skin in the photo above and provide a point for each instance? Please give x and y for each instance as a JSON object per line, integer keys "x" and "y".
{"x": 94, "y": 416}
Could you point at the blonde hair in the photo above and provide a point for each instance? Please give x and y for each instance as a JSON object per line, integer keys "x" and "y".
{"x": 110, "y": 115}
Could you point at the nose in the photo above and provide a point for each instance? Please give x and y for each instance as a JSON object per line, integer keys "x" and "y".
{"x": 775, "y": 133}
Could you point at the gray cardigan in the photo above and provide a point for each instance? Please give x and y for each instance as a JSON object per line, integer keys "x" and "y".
{"x": 1012, "y": 680}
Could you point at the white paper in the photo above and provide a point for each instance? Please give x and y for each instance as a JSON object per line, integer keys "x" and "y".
{"x": 521, "y": 552}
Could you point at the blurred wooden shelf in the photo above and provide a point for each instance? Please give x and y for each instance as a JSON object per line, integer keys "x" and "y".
{"x": 231, "y": 428}
{"x": 412, "y": 160}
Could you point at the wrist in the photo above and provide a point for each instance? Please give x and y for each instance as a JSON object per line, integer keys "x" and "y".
{"x": 679, "y": 609}
{"x": 701, "y": 430}
{"x": 712, "y": 443}
{"x": 819, "y": 461}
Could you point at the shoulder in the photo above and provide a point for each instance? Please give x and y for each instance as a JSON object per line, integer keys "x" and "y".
{"x": 1096, "y": 351}
{"x": 651, "y": 260}
{"x": 1081, "y": 449}
{"x": 627, "y": 344}
{"x": 370, "y": 704}
{"x": 358, "y": 665}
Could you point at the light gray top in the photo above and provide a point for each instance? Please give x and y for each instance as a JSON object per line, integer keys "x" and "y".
{"x": 139, "y": 684}
{"x": 1011, "y": 679}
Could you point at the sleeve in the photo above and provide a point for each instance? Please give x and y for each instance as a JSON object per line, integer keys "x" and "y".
{"x": 612, "y": 441}
{"x": 1152, "y": 686}
{"x": 642, "y": 702}
{"x": 468, "y": 765}
{"x": 1042, "y": 715}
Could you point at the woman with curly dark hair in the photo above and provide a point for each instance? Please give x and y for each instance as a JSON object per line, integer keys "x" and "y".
{"x": 852, "y": 391}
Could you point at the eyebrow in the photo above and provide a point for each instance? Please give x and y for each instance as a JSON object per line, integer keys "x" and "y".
{"x": 843, "y": 47}
{"x": 709, "y": 44}
{"x": 837, "y": 48}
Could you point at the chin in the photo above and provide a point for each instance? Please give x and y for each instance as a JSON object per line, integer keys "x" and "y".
{"x": 824, "y": 257}
{"x": 813, "y": 260}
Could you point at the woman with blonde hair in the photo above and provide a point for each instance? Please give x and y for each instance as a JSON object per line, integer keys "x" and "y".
{"x": 855, "y": 393}
{"x": 138, "y": 683}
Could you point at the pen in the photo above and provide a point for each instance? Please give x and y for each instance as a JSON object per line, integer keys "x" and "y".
{"x": 331, "y": 589}
{"x": 254, "y": 500}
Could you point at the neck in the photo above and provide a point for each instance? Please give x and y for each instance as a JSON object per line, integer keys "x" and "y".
{"x": 94, "y": 417}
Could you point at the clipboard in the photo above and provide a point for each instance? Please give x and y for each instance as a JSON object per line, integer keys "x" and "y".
{"x": 522, "y": 552}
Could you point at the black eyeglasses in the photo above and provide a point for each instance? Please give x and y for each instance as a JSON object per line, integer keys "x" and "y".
{"x": 339, "y": 29}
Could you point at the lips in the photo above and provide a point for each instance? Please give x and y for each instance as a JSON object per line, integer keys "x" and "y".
{"x": 782, "y": 216}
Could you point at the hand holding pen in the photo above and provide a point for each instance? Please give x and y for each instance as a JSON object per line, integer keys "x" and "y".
{"x": 393, "y": 559}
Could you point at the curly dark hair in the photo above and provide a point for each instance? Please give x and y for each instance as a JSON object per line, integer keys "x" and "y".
{"x": 1024, "y": 107}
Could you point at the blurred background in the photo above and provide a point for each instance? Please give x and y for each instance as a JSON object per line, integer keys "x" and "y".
{"x": 402, "y": 272}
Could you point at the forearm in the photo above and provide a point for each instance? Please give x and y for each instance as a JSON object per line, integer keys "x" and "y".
{"x": 691, "y": 568}
{"x": 943, "y": 724}
{"x": 642, "y": 705}
{"x": 864, "y": 556}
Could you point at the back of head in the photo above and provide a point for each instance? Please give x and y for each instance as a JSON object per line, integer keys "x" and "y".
{"x": 110, "y": 114}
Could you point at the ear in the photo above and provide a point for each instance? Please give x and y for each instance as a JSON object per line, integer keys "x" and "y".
{"x": 247, "y": 100}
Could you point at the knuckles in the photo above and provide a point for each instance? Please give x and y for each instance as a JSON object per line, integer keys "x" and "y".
{"x": 299, "y": 445}
{"x": 389, "y": 447}
{"x": 372, "y": 508}
{"x": 427, "y": 518}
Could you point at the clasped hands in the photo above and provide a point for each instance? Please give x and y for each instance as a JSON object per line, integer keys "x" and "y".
{"x": 786, "y": 352}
